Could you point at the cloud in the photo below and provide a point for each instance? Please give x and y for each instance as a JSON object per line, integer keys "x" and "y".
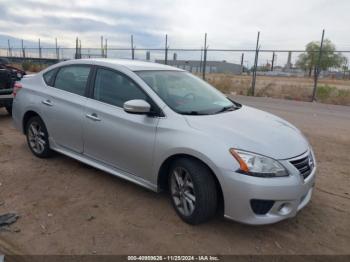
{"x": 284, "y": 24}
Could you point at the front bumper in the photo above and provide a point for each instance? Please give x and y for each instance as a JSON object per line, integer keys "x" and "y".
{"x": 290, "y": 194}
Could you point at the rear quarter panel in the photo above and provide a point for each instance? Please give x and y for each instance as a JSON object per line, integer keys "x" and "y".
{"x": 28, "y": 99}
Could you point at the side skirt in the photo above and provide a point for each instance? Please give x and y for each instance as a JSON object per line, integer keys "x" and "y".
{"x": 104, "y": 167}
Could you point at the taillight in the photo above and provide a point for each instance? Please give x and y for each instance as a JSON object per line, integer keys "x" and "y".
{"x": 16, "y": 88}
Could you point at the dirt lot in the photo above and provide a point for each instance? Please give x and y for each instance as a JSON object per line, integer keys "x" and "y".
{"x": 69, "y": 208}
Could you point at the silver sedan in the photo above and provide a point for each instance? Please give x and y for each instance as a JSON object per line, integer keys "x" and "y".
{"x": 165, "y": 129}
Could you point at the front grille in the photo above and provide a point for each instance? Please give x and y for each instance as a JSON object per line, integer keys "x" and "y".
{"x": 304, "y": 165}
{"x": 261, "y": 207}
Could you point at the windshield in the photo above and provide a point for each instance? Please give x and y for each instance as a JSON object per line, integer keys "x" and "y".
{"x": 186, "y": 93}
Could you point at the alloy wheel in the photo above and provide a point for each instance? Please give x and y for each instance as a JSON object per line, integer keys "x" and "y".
{"x": 36, "y": 137}
{"x": 182, "y": 191}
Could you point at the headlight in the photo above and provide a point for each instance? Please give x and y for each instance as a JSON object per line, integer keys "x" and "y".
{"x": 257, "y": 165}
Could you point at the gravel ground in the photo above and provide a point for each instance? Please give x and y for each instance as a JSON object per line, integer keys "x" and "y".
{"x": 66, "y": 207}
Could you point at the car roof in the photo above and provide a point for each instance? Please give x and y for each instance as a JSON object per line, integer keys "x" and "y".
{"x": 133, "y": 65}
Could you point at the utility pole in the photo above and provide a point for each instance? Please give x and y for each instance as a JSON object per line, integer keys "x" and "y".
{"x": 317, "y": 69}
{"x": 204, "y": 56}
{"x": 255, "y": 64}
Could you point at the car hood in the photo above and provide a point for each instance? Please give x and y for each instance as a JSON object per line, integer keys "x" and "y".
{"x": 253, "y": 130}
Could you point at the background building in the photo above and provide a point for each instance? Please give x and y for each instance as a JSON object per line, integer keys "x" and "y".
{"x": 195, "y": 66}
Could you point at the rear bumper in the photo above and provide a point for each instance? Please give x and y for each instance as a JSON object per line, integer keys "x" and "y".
{"x": 289, "y": 195}
{"x": 17, "y": 116}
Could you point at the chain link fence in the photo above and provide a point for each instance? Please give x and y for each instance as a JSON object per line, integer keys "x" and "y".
{"x": 257, "y": 72}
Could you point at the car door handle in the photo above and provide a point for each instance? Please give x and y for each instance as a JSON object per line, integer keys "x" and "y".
{"x": 47, "y": 102}
{"x": 93, "y": 117}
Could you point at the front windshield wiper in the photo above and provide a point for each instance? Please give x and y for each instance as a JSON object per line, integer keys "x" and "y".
{"x": 191, "y": 113}
{"x": 227, "y": 108}
{"x": 238, "y": 105}
{"x": 197, "y": 113}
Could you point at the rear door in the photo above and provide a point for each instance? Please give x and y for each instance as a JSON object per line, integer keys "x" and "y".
{"x": 63, "y": 107}
{"x": 122, "y": 140}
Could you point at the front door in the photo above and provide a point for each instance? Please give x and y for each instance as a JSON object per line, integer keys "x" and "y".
{"x": 122, "y": 140}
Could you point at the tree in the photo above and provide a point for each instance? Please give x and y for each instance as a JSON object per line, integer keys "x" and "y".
{"x": 329, "y": 57}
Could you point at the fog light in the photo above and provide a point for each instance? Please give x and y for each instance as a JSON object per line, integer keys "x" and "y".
{"x": 261, "y": 207}
{"x": 285, "y": 209}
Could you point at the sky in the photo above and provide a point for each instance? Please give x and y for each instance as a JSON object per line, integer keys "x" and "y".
{"x": 284, "y": 24}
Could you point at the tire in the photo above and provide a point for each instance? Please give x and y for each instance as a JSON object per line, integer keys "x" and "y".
{"x": 38, "y": 137}
{"x": 196, "y": 201}
{"x": 9, "y": 109}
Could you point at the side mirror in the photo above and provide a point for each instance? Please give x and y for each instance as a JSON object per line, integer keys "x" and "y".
{"x": 137, "y": 106}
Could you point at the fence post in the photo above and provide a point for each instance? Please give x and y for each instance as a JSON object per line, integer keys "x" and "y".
{"x": 204, "y": 56}
{"x": 79, "y": 49}
{"x": 57, "y": 52}
{"x": 255, "y": 64}
{"x": 76, "y": 48}
{"x": 242, "y": 61}
{"x": 106, "y": 48}
{"x": 166, "y": 50}
{"x": 9, "y": 48}
{"x": 132, "y": 48}
{"x": 273, "y": 61}
{"x": 40, "y": 55}
{"x": 317, "y": 69}
{"x": 201, "y": 62}
{"x": 23, "y": 52}
{"x": 102, "y": 53}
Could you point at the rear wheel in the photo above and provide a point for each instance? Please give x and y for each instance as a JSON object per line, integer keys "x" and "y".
{"x": 192, "y": 190}
{"x": 37, "y": 137}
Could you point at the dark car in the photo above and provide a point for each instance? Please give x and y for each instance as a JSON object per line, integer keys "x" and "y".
{"x": 8, "y": 76}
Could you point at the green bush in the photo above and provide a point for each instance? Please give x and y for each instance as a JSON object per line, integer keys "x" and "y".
{"x": 325, "y": 91}
{"x": 249, "y": 91}
{"x": 333, "y": 95}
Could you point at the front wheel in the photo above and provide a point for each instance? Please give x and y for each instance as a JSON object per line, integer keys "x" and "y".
{"x": 38, "y": 138}
{"x": 192, "y": 190}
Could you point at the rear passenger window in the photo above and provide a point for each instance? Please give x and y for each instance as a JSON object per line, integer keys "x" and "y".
{"x": 115, "y": 89}
{"x": 72, "y": 79}
{"x": 48, "y": 77}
